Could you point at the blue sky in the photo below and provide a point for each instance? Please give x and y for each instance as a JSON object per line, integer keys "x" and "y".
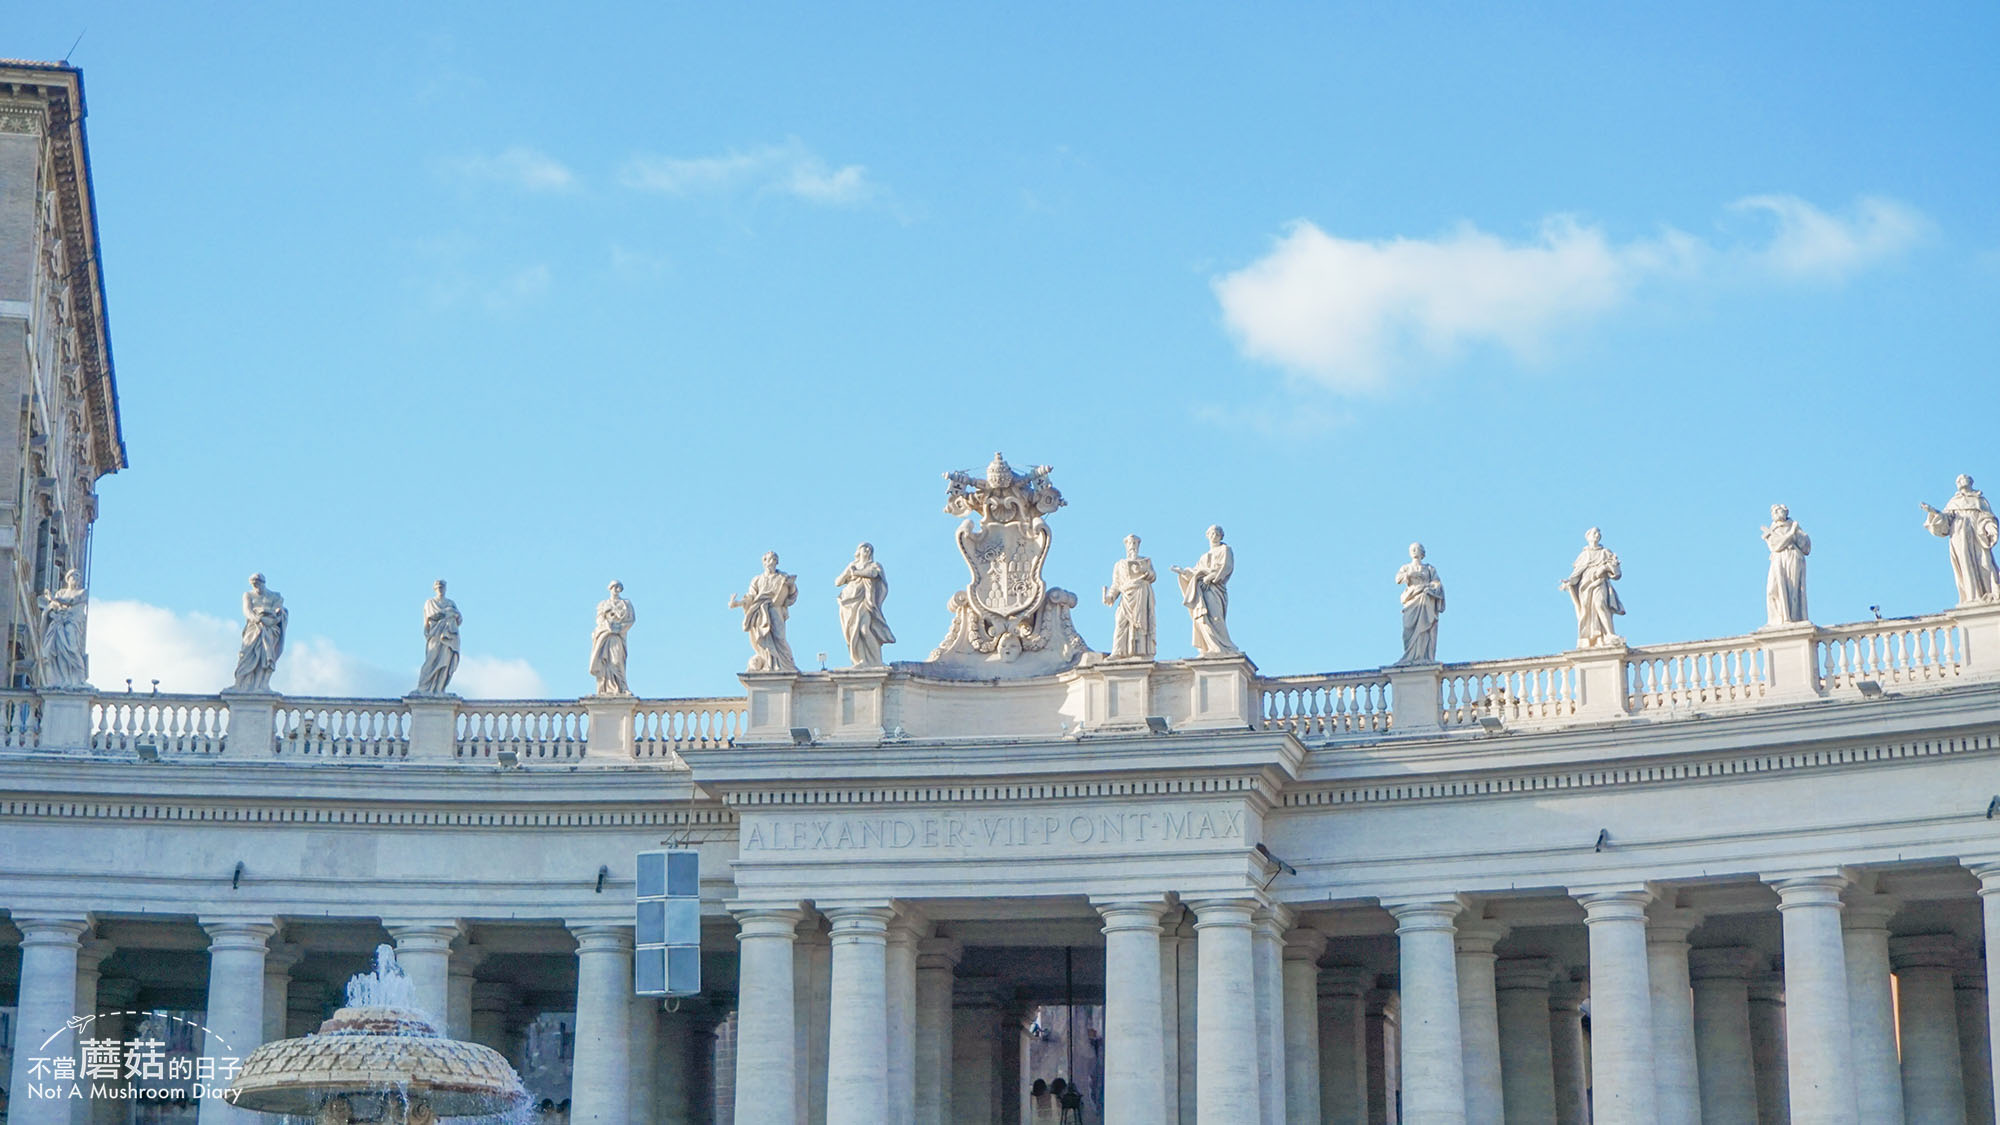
{"x": 532, "y": 297}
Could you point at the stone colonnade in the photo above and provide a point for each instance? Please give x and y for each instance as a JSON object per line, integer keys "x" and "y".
{"x": 1678, "y": 1035}
{"x": 632, "y": 1065}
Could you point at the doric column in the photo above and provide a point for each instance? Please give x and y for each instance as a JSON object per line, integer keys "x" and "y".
{"x": 1379, "y": 1034}
{"x": 1871, "y": 1006}
{"x": 1527, "y": 1059}
{"x": 1721, "y": 981}
{"x": 642, "y": 1073}
{"x": 1933, "y": 1079}
{"x": 235, "y": 1017}
{"x": 1819, "y": 1046}
{"x": 1989, "y": 902}
{"x": 937, "y": 960}
{"x": 601, "y": 1070}
{"x": 977, "y": 1014}
{"x": 766, "y": 1049}
{"x": 1268, "y": 957}
{"x": 115, "y": 997}
{"x": 1170, "y": 1024}
{"x": 491, "y": 1001}
{"x": 1433, "y": 1062}
{"x": 674, "y": 1075}
{"x": 858, "y": 1033}
{"x": 1621, "y": 1009}
{"x": 900, "y": 978}
{"x": 278, "y": 962}
{"x": 1975, "y": 1052}
{"x": 1187, "y": 991}
{"x": 1566, "y": 1050}
{"x": 1303, "y": 947}
{"x": 1226, "y": 1034}
{"x": 1343, "y": 1045}
{"x": 1768, "y": 1052}
{"x": 1479, "y": 1021}
{"x": 1134, "y": 1086}
{"x": 724, "y": 1071}
{"x": 89, "y": 961}
{"x": 46, "y": 1000}
{"x": 463, "y": 971}
{"x": 812, "y": 994}
{"x": 1676, "y": 1087}
{"x": 423, "y": 949}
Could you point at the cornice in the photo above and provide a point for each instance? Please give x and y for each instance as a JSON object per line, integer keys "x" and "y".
{"x": 832, "y": 793}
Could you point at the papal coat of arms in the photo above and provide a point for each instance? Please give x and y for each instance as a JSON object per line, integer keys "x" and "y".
{"x": 1007, "y": 621}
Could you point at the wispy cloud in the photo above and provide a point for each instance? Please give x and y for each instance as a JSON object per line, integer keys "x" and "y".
{"x": 517, "y": 166}
{"x": 196, "y": 652}
{"x": 1354, "y": 314}
{"x": 789, "y": 169}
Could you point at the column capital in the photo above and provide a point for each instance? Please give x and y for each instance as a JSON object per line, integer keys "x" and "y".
{"x": 249, "y": 934}
{"x": 1565, "y": 991}
{"x": 766, "y": 922}
{"x": 466, "y": 959}
{"x": 1728, "y": 962}
{"x": 1273, "y": 919}
{"x": 1303, "y": 943}
{"x": 64, "y": 930}
{"x": 91, "y": 953}
{"x": 939, "y": 953}
{"x": 1132, "y": 914}
{"x": 1351, "y": 981}
{"x": 1378, "y": 1002}
{"x": 1768, "y": 986}
{"x": 1613, "y": 904}
{"x": 594, "y": 937}
{"x": 858, "y": 923}
{"x": 1987, "y": 871}
{"x": 1925, "y": 951}
{"x": 1479, "y": 935}
{"x": 1796, "y": 891}
{"x": 1231, "y": 913}
{"x": 1668, "y": 925}
{"x": 1523, "y": 974}
{"x": 282, "y": 955}
{"x": 1868, "y": 910}
{"x": 1439, "y": 914}
{"x": 909, "y": 925}
{"x": 428, "y": 936}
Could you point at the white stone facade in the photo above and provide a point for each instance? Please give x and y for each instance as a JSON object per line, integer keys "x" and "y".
{"x": 1766, "y": 865}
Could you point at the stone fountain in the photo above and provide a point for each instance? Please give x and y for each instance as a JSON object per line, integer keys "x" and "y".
{"x": 378, "y": 1060}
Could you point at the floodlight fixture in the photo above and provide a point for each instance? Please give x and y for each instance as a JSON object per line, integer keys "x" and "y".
{"x": 802, "y": 736}
{"x": 1157, "y": 724}
{"x": 508, "y": 759}
{"x": 148, "y": 751}
{"x": 1869, "y": 689}
{"x": 1492, "y": 724}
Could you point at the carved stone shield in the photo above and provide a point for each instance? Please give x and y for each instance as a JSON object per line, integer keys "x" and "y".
{"x": 1006, "y": 564}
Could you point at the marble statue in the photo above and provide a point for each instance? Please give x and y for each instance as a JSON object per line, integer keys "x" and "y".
{"x": 1967, "y": 521}
{"x": 863, "y": 589}
{"x": 64, "y": 663}
{"x": 1009, "y": 623}
{"x": 1423, "y": 600}
{"x": 1133, "y": 632}
{"x": 1205, "y": 593}
{"x": 615, "y": 617}
{"x": 1785, "y": 589}
{"x": 765, "y": 607}
{"x": 441, "y": 622}
{"x": 1592, "y": 594}
{"x": 264, "y": 618}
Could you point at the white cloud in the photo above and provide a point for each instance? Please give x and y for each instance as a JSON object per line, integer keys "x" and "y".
{"x": 1351, "y": 313}
{"x": 1810, "y": 244}
{"x": 494, "y": 677}
{"x": 785, "y": 169}
{"x": 196, "y": 653}
{"x": 517, "y": 166}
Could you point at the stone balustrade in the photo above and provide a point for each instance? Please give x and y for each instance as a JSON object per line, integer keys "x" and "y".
{"x": 1771, "y": 667}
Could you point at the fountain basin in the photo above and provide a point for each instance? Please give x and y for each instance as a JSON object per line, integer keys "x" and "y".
{"x": 377, "y": 1054}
